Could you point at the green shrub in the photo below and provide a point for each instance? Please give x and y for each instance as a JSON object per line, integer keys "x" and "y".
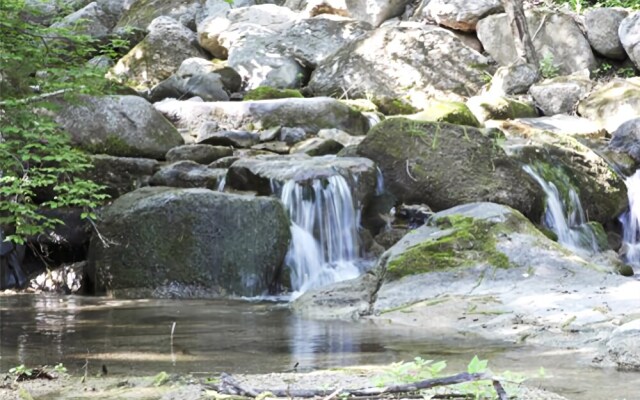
{"x": 39, "y": 168}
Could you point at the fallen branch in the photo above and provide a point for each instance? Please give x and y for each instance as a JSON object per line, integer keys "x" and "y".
{"x": 229, "y": 385}
{"x": 37, "y": 98}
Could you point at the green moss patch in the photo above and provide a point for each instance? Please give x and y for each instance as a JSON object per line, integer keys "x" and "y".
{"x": 447, "y": 111}
{"x": 267, "y": 93}
{"x": 463, "y": 242}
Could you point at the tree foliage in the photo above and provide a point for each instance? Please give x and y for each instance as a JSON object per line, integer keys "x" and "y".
{"x": 39, "y": 168}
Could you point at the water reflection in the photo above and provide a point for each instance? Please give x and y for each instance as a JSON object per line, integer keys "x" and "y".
{"x": 134, "y": 337}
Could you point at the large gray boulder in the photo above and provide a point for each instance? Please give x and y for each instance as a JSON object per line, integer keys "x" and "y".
{"x": 125, "y": 126}
{"x": 402, "y": 66}
{"x": 558, "y": 37}
{"x": 158, "y": 56}
{"x": 310, "y": 114}
{"x": 629, "y": 33}
{"x": 313, "y": 40}
{"x": 218, "y": 33}
{"x": 463, "y": 257}
{"x": 613, "y": 103}
{"x": 444, "y": 165}
{"x": 462, "y": 14}
{"x": 602, "y": 26}
{"x": 165, "y": 242}
{"x": 560, "y": 95}
{"x": 91, "y": 20}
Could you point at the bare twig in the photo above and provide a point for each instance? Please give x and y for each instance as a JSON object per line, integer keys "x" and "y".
{"x": 38, "y": 98}
{"x": 229, "y": 385}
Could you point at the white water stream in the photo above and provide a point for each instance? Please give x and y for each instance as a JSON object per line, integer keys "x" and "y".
{"x": 324, "y": 227}
{"x": 566, "y": 218}
{"x": 631, "y": 222}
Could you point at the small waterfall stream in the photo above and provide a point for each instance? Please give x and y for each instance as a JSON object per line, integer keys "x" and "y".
{"x": 324, "y": 247}
{"x": 631, "y": 221}
{"x": 566, "y": 218}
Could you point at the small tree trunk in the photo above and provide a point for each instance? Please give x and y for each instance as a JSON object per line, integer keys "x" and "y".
{"x": 522, "y": 38}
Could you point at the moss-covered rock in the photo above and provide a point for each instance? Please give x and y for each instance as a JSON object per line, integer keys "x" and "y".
{"x": 267, "y": 92}
{"x": 489, "y": 107}
{"x": 479, "y": 235}
{"x": 567, "y": 163}
{"x": 188, "y": 242}
{"x": 444, "y": 165}
{"x": 460, "y": 242}
{"x": 452, "y": 112}
{"x": 123, "y": 126}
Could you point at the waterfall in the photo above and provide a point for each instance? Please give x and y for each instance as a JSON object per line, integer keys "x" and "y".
{"x": 631, "y": 221}
{"x": 324, "y": 229}
{"x": 566, "y": 218}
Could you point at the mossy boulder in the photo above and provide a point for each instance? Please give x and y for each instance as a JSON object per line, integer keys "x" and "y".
{"x": 453, "y": 241}
{"x": 123, "y": 126}
{"x": 267, "y": 92}
{"x": 166, "y": 242}
{"x": 447, "y": 111}
{"x": 444, "y": 165}
{"x": 566, "y": 162}
{"x": 488, "y": 106}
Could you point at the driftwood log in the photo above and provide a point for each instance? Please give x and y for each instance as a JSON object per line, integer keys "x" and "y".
{"x": 229, "y": 385}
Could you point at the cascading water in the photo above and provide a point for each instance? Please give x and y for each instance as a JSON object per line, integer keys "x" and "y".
{"x": 324, "y": 229}
{"x": 631, "y": 221}
{"x": 566, "y": 218}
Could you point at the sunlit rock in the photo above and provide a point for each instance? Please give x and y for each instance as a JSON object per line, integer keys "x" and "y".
{"x": 557, "y": 37}
{"x": 613, "y": 103}
{"x": 158, "y": 56}
{"x": 310, "y": 114}
{"x": 401, "y": 68}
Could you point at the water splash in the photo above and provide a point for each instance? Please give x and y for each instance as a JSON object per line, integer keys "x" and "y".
{"x": 324, "y": 229}
{"x": 379, "y": 182}
{"x": 566, "y": 218}
{"x": 631, "y": 222}
{"x": 221, "y": 184}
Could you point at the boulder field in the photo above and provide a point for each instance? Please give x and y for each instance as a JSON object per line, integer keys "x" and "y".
{"x": 422, "y": 108}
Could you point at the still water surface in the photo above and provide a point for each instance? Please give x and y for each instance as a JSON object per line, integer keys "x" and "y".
{"x": 134, "y": 337}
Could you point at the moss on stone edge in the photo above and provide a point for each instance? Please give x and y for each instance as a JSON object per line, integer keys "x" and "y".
{"x": 464, "y": 242}
{"x": 268, "y": 92}
{"x": 447, "y": 111}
